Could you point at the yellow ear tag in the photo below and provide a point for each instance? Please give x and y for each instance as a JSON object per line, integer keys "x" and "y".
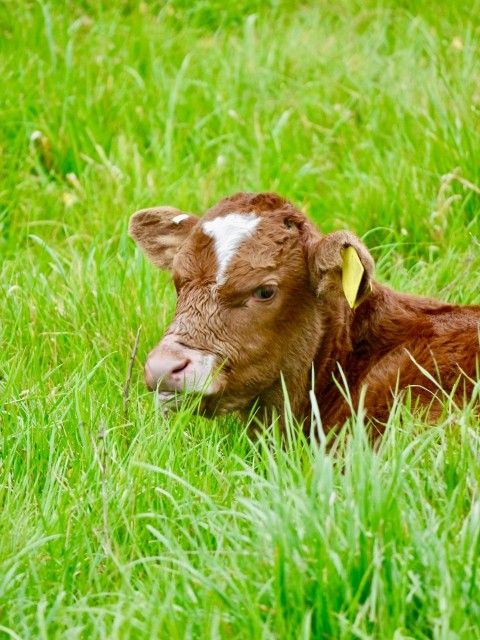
{"x": 352, "y": 274}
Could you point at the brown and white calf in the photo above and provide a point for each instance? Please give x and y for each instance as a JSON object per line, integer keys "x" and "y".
{"x": 263, "y": 295}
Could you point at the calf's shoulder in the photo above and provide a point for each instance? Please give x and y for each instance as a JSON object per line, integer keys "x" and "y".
{"x": 399, "y": 342}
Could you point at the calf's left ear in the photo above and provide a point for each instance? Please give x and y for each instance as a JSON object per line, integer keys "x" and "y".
{"x": 340, "y": 264}
{"x": 159, "y": 232}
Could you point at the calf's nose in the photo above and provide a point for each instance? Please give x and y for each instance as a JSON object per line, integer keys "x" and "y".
{"x": 165, "y": 374}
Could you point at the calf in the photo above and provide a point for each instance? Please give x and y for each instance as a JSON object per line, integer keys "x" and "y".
{"x": 262, "y": 296}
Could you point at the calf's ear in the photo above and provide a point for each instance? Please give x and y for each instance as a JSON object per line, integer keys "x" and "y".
{"x": 159, "y": 232}
{"x": 340, "y": 264}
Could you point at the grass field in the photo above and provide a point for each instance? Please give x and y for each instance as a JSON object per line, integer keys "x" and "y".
{"x": 367, "y": 115}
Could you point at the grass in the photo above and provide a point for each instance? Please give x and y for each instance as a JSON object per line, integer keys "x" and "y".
{"x": 148, "y": 528}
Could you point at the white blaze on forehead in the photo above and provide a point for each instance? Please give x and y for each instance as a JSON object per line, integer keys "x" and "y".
{"x": 228, "y": 233}
{"x": 178, "y": 219}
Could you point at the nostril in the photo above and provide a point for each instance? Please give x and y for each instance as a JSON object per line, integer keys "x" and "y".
{"x": 181, "y": 366}
{"x": 166, "y": 374}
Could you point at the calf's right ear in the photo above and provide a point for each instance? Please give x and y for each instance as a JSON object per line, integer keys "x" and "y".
{"x": 159, "y": 232}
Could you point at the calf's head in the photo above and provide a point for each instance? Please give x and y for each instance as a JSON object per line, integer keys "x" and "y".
{"x": 257, "y": 287}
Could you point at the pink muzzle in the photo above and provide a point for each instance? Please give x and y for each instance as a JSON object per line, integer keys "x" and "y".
{"x": 173, "y": 367}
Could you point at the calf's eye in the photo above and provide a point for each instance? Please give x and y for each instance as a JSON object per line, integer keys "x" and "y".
{"x": 264, "y": 293}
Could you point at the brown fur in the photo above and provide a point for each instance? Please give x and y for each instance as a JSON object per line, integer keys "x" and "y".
{"x": 381, "y": 346}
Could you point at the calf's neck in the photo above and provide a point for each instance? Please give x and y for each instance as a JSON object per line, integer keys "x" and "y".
{"x": 263, "y": 295}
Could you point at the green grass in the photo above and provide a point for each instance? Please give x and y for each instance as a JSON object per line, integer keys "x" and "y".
{"x": 184, "y": 528}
